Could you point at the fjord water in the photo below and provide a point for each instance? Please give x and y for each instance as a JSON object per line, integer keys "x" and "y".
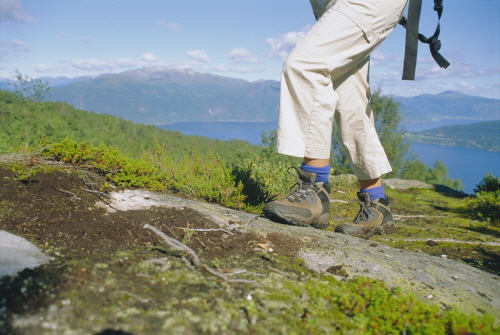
{"x": 468, "y": 165}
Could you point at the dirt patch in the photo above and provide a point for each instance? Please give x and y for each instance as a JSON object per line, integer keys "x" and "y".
{"x": 58, "y": 209}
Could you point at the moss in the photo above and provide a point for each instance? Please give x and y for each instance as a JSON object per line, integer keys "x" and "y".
{"x": 87, "y": 293}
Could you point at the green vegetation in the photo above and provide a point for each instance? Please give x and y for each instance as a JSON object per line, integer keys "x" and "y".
{"x": 24, "y": 120}
{"x": 232, "y": 173}
{"x": 291, "y": 301}
{"x": 486, "y": 204}
{"x": 482, "y": 136}
{"x": 404, "y": 163}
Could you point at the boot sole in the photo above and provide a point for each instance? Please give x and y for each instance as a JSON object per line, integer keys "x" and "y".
{"x": 366, "y": 232}
{"x": 275, "y": 215}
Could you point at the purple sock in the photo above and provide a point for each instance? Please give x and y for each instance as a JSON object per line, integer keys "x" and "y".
{"x": 322, "y": 173}
{"x": 375, "y": 192}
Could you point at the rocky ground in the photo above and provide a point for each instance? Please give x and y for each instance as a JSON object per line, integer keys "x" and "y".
{"x": 110, "y": 274}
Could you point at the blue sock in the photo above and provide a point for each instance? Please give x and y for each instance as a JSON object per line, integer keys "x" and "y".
{"x": 322, "y": 173}
{"x": 375, "y": 192}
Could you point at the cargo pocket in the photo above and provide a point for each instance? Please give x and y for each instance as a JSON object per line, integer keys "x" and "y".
{"x": 354, "y": 17}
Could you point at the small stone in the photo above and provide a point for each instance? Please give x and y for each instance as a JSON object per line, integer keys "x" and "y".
{"x": 249, "y": 297}
{"x": 454, "y": 277}
{"x": 373, "y": 245}
{"x": 430, "y": 297}
{"x": 431, "y": 243}
{"x": 444, "y": 256}
{"x": 271, "y": 249}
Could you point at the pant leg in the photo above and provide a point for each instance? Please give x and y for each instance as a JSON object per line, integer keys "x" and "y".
{"x": 341, "y": 39}
{"x": 355, "y": 120}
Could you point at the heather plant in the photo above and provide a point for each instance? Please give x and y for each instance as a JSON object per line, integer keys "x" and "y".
{"x": 205, "y": 177}
{"x": 486, "y": 203}
{"x": 485, "y": 206}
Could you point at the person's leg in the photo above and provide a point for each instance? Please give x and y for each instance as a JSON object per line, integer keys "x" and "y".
{"x": 341, "y": 40}
{"x": 336, "y": 44}
{"x": 355, "y": 120}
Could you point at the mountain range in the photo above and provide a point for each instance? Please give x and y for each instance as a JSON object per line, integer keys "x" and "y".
{"x": 162, "y": 96}
{"x": 481, "y": 135}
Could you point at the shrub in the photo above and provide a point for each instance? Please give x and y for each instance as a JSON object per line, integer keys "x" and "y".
{"x": 203, "y": 177}
{"x": 488, "y": 184}
{"x": 486, "y": 206}
{"x": 262, "y": 180}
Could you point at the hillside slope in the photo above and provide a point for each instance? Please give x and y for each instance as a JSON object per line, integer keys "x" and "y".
{"x": 165, "y": 96}
{"x": 23, "y": 123}
{"x": 482, "y": 135}
{"x": 156, "y": 96}
{"x": 448, "y": 105}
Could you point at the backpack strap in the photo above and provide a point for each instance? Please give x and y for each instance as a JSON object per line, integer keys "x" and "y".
{"x": 413, "y": 36}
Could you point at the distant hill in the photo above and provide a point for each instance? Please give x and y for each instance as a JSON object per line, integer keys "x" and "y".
{"x": 448, "y": 105}
{"x": 483, "y": 136}
{"x": 160, "y": 96}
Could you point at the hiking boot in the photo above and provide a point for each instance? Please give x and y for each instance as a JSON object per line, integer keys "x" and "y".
{"x": 306, "y": 206}
{"x": 374, "y": 217}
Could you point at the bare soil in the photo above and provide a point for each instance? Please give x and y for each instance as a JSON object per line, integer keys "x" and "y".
{"x": 56, "y": 210}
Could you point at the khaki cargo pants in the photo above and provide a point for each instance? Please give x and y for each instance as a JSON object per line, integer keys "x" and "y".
{"x": 325, "y": 77}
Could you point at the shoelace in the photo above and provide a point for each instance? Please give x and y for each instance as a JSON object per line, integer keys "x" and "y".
{"x": 364, "y": 211}
{"x": 300, "y": 192}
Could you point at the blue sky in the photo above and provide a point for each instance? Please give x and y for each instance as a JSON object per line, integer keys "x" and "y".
{"x": 246, "y": 39}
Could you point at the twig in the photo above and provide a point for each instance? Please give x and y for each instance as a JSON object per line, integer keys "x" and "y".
{"x": 196, "y": 261}
{"x": 203, "y": 244}
{"x": 237, "y": 271}
{"x": 217, "y": 229}
{"x": 97, "y": 192}
{"x": 68, "y": 192}
{"x": 174, "y": 243}
{"x": 223, "y": 276}
{"x": 171, "y": 231}
{"x": 342, "y": 201}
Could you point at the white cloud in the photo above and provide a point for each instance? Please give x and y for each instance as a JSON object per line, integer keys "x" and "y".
{"x": 111, "y": 65}
{"x": 241, "y": 55}
{"x": 13, "y": 46}
{"x": 281, "y": 46}
{"x": 377, "y": 58}
{"x": 234, "y": 69}
{"x": 150, "y": 58}
{"x": 199, "y": 56}
{"x": 18, "y": 46}
{"x": 101, "y": 65}
{"x": 12, "y": 11}
{"x": 172, "y": 26}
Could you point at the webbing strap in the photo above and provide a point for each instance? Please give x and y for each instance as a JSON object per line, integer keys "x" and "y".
{"x": 413, "y": 36}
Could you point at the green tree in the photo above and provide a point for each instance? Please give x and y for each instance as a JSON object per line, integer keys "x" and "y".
{"x": 388, "y": 125}
{"x": 437, "y": 174}
{"x": 390, "y": 132}
{"x": 30, "y": 92}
